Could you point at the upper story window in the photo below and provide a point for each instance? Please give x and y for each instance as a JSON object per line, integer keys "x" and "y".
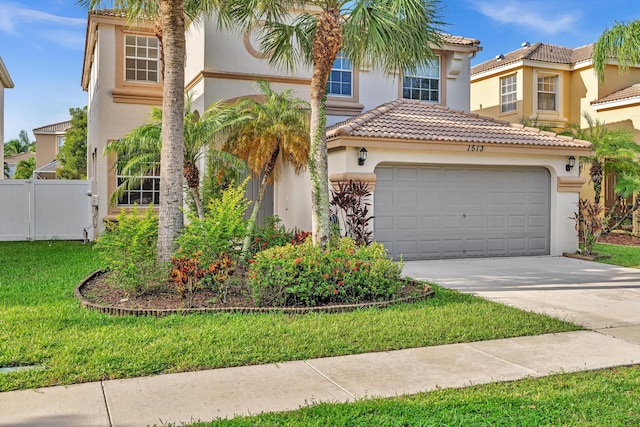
{"x": 424, "y": 84}
{"x": 141, "y": 59}
{"x": 341, "y": 78}
{"x": 547, "y": 92}
{"x": 60, "y": 142}
{"x": 508, "y": 94}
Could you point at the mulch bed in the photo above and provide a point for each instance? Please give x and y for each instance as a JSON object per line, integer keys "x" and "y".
{"x": 96, "y": 293}
{"x": 620, "y": 239}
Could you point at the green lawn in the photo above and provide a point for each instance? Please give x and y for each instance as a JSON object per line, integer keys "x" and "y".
{"x": 601, "y": 398}
{"x": 41, "y": 323}
{"x": 625, "y": 256}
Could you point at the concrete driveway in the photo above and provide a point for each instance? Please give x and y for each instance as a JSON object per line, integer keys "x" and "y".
{"x": 594, "y": 295}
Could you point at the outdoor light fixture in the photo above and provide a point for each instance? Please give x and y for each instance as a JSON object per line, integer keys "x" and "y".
{"x": 571, "y": 163}
{"x": 362, "y": 156}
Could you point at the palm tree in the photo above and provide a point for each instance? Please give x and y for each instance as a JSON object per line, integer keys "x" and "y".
{"x": 19, "y": 145}
{"x": 171, "y": 18}
{"x": 140, "y": 149}
{"x": 614, "y": 151}
{"x": 392, "y": 35}
{"x": 276, "y": 134}
{"x": 622, "y": 42}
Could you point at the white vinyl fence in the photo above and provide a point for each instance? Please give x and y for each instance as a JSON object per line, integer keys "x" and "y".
{"x": 43, "y": 209}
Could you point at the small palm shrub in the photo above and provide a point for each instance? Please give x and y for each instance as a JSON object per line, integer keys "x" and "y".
{"x": 128, "y": 248}
{"x": 307, "y": 275}
{"x": 209, "y": 248}
{"x": 590, "y": 223}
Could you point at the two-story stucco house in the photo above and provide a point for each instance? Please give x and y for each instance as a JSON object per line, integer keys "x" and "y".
{"x": 445, "y": 183}
{"x": 5, "y": 83}
{"x": 49, "y": 140}
{"x": 554, "y": 85}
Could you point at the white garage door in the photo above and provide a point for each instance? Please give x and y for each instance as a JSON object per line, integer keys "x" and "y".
{"x": 429, "y": 212}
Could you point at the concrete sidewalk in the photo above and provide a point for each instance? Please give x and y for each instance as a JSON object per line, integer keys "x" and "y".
{"x": 206, "y": 395}
{"x": 538, "y": 284}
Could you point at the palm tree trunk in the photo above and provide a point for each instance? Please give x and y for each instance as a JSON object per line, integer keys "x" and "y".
{"x": 251, "y": 224}
{"x": 326, "y": 45}
{"x": 171, "y": 157}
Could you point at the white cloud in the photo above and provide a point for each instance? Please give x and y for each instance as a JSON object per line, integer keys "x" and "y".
{"x": 13, "y": 17}
{"x": 542, "y": 17}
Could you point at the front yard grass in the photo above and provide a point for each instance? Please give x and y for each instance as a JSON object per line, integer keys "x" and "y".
{"x": 624, "y": 256}
{"x": 42, "y": 324}
{"x": 599, "y": 398}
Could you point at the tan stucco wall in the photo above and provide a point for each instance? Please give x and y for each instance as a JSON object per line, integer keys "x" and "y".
{"x": 46, "y": 148}
{"x": 107, "y": 120}
{"x": 564, "y": 237}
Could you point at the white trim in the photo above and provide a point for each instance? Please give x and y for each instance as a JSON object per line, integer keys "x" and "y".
{"x": 5, "y": 78}
{"x": 617, "y": 103}
{"x": 548, "y": 115}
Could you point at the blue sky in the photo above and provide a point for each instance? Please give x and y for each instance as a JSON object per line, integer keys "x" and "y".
{"x": 42, "y": 43}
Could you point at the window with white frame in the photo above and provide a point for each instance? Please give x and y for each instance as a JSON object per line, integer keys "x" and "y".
{"x": 141, "y": 190}
{"x": 508, "y": 94}
{"x": 341, "y": 78}
{"x": 423, "y": 85}
{"x": 547, "y": 92}
{"x": 141, "y": 59}
{"x": 60, "y": 142}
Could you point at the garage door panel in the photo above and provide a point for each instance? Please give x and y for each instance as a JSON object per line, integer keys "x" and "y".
{"x": 428, "y": 212}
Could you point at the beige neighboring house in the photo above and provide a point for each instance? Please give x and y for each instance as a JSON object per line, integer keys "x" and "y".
{"x": 437, "y": 172}
{"x": 12, "y": 161}
{"x": 554, "y": 85}
{"x": 49, "y": 140}
{"x": 5, "y": 83}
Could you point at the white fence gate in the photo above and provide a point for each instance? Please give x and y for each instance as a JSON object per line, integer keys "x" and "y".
{"x": 43, "y": 209}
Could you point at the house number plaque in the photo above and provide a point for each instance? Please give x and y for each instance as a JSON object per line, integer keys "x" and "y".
{"x": 476, "y": 148}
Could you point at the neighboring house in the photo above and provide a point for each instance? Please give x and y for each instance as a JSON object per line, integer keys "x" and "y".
{"x": 553, "y": 86}
{"x": 12, "y": 161}
{"x": 460, "y": 157}
{"x": 5, "y": 83}
{"x": 49, "y": 140}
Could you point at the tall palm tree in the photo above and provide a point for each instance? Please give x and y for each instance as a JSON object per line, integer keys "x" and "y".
{"x": 141, "y": 148}
{"x": 614, "y": 151}
{"x": 392, "y": 35}
{"x": 171, "y": 18}
{"x": 276, "y": 134}
{"x": 622, "y": 42}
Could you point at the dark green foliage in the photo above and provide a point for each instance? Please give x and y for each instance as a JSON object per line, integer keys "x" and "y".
{"x": 128, "y": 249}
{"x": 73, "y": 154}
{"x": 307, "y": 275}
{"x": 270, "y": 234}
{"x": 25, "y": 168}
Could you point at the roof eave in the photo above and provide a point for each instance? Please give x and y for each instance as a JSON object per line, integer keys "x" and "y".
{"x": 5, "y": 78}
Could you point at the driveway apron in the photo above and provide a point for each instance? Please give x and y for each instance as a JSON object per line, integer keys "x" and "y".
{"x": 593, "y": 295}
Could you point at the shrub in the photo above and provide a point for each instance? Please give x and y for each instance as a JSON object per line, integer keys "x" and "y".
{"x": 590, "y": 223}
{"x": 306, "y": 275}
{"x": 350, "y": 207}
{"x": 128, "y": 248}
{"x": 270, "y": 234}
{"x": 214, "y": 242}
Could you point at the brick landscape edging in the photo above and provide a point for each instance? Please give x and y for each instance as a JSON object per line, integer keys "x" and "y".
{"x": 159, "y": 312}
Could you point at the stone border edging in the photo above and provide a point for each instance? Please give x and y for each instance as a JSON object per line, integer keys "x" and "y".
{"x": 159, "y": 312}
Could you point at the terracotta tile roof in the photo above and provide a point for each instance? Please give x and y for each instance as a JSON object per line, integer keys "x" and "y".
{"x": 459, "y": 40}
{"x": 117, "y": 13}
{"x": 537, "y": 52}
{"x": 414, "y": 120}
{"x": 54, "y": 128}
{"x": 626, "y": 93}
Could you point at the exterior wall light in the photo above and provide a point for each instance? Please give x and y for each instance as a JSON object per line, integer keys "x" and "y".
{"x": 362, "y": 156}
{"x": 571, "y": 163}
